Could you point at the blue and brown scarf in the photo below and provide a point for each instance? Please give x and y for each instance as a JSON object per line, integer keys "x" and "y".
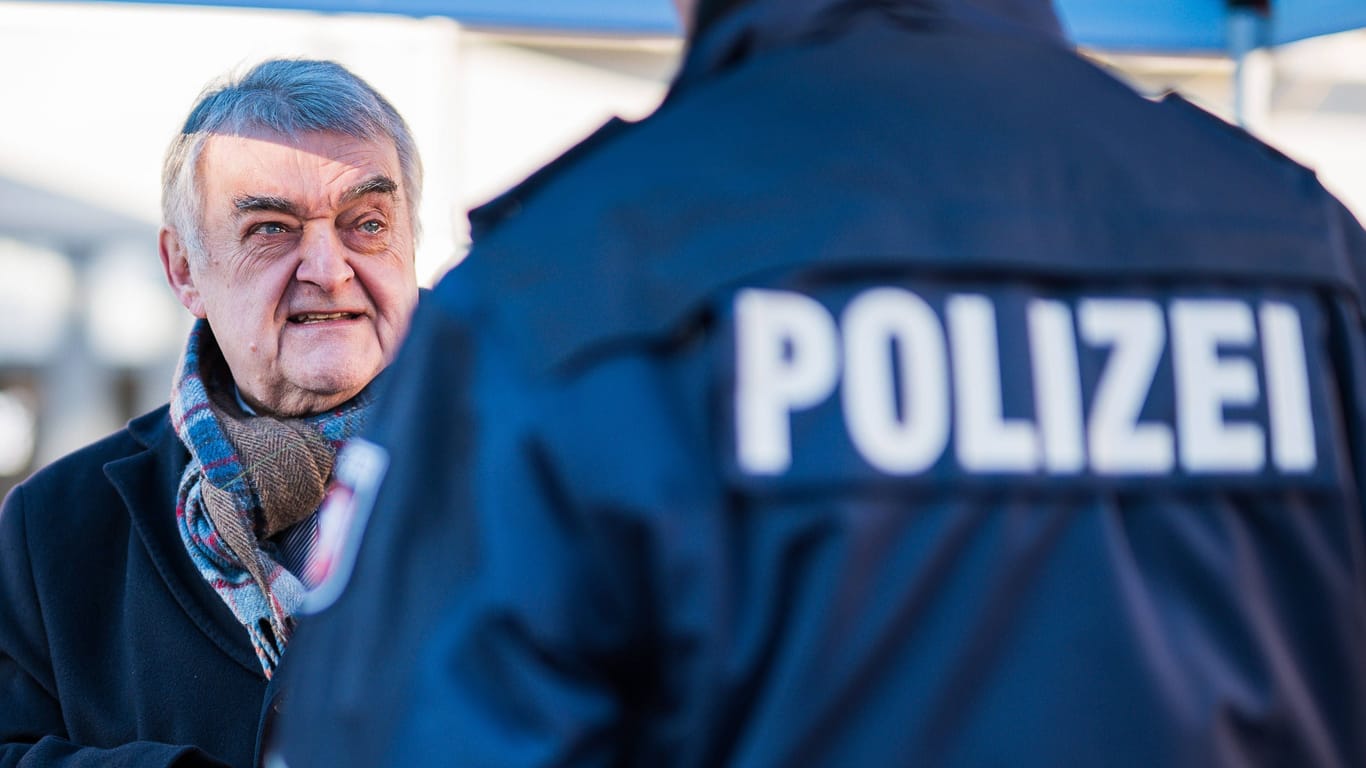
{"x": 249, "y": 478}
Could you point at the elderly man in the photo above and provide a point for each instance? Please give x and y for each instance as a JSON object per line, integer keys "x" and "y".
{"x": 149, "y": 582}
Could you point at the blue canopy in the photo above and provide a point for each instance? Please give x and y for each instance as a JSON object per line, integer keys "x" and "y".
{"x": 1178, "y": 26}
{"x": 649, "y": 17}
{"x": 1200, "y": 26}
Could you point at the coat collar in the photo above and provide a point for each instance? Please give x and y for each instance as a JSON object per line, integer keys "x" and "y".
{"x": 731, "y": 31}
{"x": 151, "y": 428}
{"x": 148, "y": 481}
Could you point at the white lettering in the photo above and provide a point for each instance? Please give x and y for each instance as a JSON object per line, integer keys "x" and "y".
{"x": 1057, "y": 386}
{"x": 886, "y": 327}
{"x": 1134, "y": 330}
{"x": 787, "y": 359}
{"x": 1287, "y": 388}
{"x": 913, "y": 379}
{"x": 1207, "y": 382}
{"x": 986, "y": 441}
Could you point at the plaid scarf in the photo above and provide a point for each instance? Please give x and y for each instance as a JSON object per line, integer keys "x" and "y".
{"x": 249, "y": 477}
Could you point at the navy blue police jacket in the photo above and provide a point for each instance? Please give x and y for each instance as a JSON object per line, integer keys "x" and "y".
{"x": 114, "y": 651}
{"x": 904, "y": 391}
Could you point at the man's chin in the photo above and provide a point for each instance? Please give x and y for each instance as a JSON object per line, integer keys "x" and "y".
{"x": 318, "y": 394}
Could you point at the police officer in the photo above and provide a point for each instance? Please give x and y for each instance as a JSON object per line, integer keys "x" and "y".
{"x": 905, "y": 391}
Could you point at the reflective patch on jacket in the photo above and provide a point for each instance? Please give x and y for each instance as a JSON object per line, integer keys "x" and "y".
{"x": 933, "y": 382}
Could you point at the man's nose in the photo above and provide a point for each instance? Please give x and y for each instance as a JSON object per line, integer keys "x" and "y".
{"x": 324, "y": 260}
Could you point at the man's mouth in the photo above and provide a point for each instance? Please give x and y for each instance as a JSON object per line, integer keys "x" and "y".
{"x": 307, "y": 318}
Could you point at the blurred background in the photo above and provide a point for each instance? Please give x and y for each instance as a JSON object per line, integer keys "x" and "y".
{"x": 93, "y": 92}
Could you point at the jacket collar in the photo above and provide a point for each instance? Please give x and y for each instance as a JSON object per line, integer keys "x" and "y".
{"x": 151, "y": 428}
{"x": 730, "y": 31}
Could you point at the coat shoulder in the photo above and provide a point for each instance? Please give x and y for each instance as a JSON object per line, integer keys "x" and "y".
{"x": 76, "y": 485}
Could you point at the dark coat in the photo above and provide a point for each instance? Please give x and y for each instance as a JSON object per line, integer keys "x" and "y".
{"x": 1127, "y": 532}
{"x": 113, "y": 649}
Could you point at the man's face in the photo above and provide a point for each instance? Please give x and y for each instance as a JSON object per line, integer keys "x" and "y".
{"x": 307, "y": 277}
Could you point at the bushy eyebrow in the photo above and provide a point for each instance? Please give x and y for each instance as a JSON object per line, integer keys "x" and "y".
{"x": 253, "y": 203}
{"x": 382, "y": 185}
{"x": 244, "y": 204}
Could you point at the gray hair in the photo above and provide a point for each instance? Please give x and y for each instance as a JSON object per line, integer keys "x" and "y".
{"x": 289, "y": 97}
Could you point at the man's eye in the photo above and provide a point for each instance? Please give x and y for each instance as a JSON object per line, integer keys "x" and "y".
{"x": 269, "y": 228}
{"x": 372, "y": 227}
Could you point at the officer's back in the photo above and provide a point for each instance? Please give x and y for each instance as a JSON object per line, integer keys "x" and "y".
{"x": 905, "y": 391}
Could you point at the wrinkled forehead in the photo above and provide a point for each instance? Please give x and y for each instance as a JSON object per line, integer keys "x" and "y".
{"x": 313, "y": 168}
{"x": 227, "y": 152}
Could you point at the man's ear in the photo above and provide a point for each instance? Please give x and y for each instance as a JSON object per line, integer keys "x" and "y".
{"x": 175, "y": 262}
